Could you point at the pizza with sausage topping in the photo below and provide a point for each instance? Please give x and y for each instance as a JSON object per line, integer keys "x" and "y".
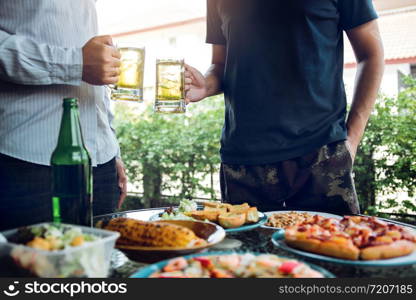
{"x": 353, "y": 238}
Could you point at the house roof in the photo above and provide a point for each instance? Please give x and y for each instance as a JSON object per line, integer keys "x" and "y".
{"x": 123, "y": 16}
{"x": 397, "y": 26}
{"x": 397, "y": 29}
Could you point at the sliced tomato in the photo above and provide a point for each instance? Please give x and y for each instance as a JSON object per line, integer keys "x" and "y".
{"x": 288, "y": 266}
{"x": 205, "y": 262}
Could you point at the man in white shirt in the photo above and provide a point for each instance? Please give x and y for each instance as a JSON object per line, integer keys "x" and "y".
{"x": 48, "y": 51}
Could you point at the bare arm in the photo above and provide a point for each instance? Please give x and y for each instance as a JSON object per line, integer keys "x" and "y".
{"x": 197, "y": 86}
{"x": 215, "y": 73}
{"x": 368, "y": 49}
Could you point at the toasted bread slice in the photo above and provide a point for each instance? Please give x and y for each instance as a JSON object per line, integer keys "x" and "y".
{"x": 239, "y": 208}
{"x": 227, "y": 206}
{"x": 252, "y": 215}
{"x": 231, "y": 220}
{"x": 214, "y": 204}
{"x": 218, "y": 209}
{"x": 210, "y": 215}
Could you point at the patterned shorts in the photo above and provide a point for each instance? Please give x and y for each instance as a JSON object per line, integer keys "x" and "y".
{"x": 319, "y": 181}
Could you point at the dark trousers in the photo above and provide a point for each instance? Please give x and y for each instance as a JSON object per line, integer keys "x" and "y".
{"x": 25, "y": 192}
{"x": 319, "y": 181}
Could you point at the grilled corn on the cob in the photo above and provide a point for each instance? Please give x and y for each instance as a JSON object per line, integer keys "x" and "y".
{"x": 151, "y": 234}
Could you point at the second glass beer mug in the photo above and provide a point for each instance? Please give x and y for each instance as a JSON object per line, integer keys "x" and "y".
{"x": 130, "y": 84}
{"x": 170, "y": 86}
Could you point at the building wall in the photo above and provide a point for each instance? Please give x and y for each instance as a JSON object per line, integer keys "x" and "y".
{"x": 392, "y": 4}
{"x": 185, "y": 41}
{"x": 389, "y": 85}
{"x": 188, "y": 41}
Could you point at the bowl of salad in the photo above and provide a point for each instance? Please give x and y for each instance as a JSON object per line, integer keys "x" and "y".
{"x": 177, "y": 213}
{"x": 57, "y": 251}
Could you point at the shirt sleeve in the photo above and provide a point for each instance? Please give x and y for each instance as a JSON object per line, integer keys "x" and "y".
{"x": 214, "y": 30}
{"x": 24, "y": 61}
{"x": 354, "y": 13}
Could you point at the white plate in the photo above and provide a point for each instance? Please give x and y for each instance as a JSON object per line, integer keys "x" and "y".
{"x": 312, "y": 213}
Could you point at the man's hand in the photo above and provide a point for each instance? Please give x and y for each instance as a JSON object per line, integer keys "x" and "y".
{"x": 101, "y": 61}
{"x": 122, "y": 181}
{"x": 198, "y": 86}
{"x": 195, "y": 86}
{"x": 352, "y": 147}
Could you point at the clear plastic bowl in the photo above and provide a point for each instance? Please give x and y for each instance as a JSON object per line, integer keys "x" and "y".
{"x": 89, "y": 260}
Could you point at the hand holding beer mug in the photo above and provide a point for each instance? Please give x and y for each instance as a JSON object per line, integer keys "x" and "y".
{"x": 195, "y": 85}
{"x": 170, "y": 86}
{"x": 100, "y": 61}
{"x": 130, "y": 84}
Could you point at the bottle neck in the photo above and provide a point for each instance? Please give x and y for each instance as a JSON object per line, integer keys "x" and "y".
{"x": 70, "y": 132}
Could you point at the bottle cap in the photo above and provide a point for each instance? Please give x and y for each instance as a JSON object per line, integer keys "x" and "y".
{"x": 71, "y": 101}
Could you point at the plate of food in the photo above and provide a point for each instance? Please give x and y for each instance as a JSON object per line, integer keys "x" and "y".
{"x": 151, "y": 241}
{"x": 140, "y": 214}
{"x": 233, "y": 218}
{"x": 56, "y": 251}
{"x": 286, "y": 218}
{"x": 353, "y": 240}
{"x": 232, "y": 265}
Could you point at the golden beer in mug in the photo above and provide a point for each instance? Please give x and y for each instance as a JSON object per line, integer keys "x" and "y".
{"x": 170, "y": 86}
{"x": 130, "y": 84}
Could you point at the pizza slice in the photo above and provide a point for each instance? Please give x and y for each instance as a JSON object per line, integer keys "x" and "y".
{"x": 326, "y": 241}
{"x": 377, "y": 239}
{"x": 353, "y": 237}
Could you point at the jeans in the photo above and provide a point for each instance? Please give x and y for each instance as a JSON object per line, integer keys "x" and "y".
{"x": 26, "y": 191}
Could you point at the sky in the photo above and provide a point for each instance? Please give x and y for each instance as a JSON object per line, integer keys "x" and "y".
{"x": 117, "y": 16}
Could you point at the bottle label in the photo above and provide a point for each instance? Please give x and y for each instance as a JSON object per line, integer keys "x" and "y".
{"x": 56, "y": 210}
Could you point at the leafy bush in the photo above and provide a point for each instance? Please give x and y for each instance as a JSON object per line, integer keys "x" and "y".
{"x": 176, "y": 154}
{"x": 386, "y": 160}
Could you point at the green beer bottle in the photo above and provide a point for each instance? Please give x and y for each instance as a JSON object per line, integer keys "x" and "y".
{"x": 71, "y": 171}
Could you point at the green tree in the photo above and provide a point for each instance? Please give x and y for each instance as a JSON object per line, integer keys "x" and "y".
{"x": 386, "y": 160}
{"x": 172, "y": 154}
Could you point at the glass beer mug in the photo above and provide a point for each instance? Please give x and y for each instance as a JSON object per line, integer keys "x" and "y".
{"x": 130, "y": 84}
{"x": 170, "y": 86}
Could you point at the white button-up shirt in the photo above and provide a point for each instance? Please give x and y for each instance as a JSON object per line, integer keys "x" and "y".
{"x": 40, "y": 64}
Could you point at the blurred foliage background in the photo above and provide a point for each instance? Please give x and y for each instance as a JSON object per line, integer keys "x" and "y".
{"x": 178, "y": 155}
{"x": 385, "y": 167}
{"x": 175, "y": 155}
